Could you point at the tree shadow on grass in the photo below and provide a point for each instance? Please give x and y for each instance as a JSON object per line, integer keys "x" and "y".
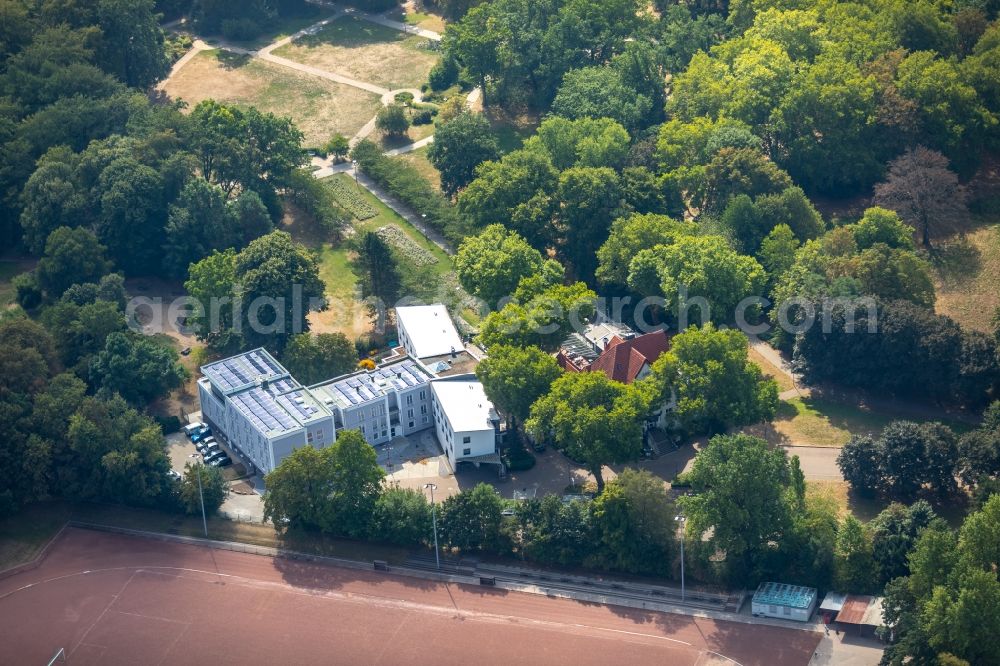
{"x": 352, "y": 32}
{"x": 231, "y": 61}
{"x": 958, "y": 261}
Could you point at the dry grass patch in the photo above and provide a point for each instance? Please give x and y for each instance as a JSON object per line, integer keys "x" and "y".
{"x": 825, "y": 421}
{"x": 418, "y": 160}
{"x": 784, "y": 381}
{"x": 967, "y": 277}
{"x": 365, "y": 51}
{"x": 320, "y": 108}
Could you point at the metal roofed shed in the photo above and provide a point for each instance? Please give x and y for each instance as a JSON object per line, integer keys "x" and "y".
{"x": 780, "y": 600}
{"x": 427, "y": 330}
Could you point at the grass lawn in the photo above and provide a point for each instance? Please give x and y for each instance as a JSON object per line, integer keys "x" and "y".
{"x": 366, "y": 51}
{"x": 283, "y": 26}
{"x": 418, "y": 160}
{"x": 421, "y": 19}
{"x": 511, "y": 131}
{"x": 346, "y": 313}
{"x": 819, "y": 421}
{"x": 967, "y": 277}
{"x": 320, "y": 108}
{"x": 27, "y": 532}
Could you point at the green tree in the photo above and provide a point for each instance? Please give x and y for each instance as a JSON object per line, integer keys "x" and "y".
{"x": 471, "y": 519}
{"x": 401, "y": 516}
{"x": 634, "y": 524}
{"x": 213, "y": 488}
{"x": 777, "y": 253}
{"x": 136, "y": 367}
{"x": 71, "y": 256}
{"x": 378, "y": 273}
{"x": 460, "y": 145}
{"x": 117, "y": 454}
{"x": 515, "y": 377}
{"x": 699, "y": 266}
{"x": 299, "y": 489}
{"x": 740, "y": 484}
{"x": 880, "y": 225}
{"x": 210, "y": 282}
{"x": 594, "y": 419}
{"x": 553, "y": 531}
{"x": 855, "y": 568}
{"x": 312, "y": 358}
{"x": 586, "y": 142}
{"x": 599, "y": 92}
{"x": 735, "y": 171}
{"x": 132, "y": 44}
{"x": 338, "y": 146}
{"x": 894, "y": 533}
{"x": 392, "y": 121}
{"x": 50, "y": 199}
{"x": 132, "y": 214}
{"x": 200, "y": 222}
{"x": 511, "y": 192}
{"x": 708, "y": 375}
{"x": 590, "y": 198}
{"x": 859, "y": 463}
{"x": 491, "y": 264}
{"x": 632, "y": 234}
{"x": 280, "y": 287}
{"x": 542, "y": 321}
{"x": 356, "y": 483}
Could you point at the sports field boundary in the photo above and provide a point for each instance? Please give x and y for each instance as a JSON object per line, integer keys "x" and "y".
{"x": 36, "y": 560}
{"x": 283, "y": 553}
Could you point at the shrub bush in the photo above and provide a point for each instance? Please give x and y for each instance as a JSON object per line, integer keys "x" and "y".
{"x": 444, "y": 74}
{"x": 425, "y": 117}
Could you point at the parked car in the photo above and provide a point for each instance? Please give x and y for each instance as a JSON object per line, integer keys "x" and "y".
{"x": 224, "y": 461}
{"x": 192, "y": 428}
{"x": 174, "y": 474}
{"x": 212, "y": 454}
{"x": 204, "y": 444}
{"x": 204, "y": 433}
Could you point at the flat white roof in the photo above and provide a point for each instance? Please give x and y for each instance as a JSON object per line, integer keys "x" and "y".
{"x": 430, "y": 329}
{"x": 465, "y": 404}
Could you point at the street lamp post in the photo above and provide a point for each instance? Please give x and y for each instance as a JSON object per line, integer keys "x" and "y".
{"x": 201, "y": 495}
{"x": 437, "y": 554}
{"x": 681, "y": 518}
{"x": 354, "y": 164}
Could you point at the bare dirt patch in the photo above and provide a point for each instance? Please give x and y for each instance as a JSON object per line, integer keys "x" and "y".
{"x": 320, "y": 108}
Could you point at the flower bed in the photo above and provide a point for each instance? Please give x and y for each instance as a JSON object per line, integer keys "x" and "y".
{"x": 351, "y": 199}
{"x": 405, "y": 245}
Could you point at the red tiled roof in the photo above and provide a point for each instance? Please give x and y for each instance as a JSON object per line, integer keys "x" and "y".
{"x": 622, "y": 360}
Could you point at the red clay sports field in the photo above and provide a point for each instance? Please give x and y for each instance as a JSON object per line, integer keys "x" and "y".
{"x": 112, "y": 599}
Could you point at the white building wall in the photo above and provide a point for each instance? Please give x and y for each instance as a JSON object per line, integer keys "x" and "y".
{"x": 415, "y": 410}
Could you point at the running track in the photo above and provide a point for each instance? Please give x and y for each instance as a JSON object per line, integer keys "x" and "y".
{"x": 112, "y": 599}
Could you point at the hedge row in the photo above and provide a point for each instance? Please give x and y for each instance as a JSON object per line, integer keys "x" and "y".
{"x": 406, "y": 184}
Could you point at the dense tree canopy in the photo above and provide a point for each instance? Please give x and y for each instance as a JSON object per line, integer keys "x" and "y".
{"x": 715, "y": 386}
{"x": 594, "y": 419}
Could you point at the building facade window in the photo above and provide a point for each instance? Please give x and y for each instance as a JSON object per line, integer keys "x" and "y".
{"x": 466, "y": 440}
